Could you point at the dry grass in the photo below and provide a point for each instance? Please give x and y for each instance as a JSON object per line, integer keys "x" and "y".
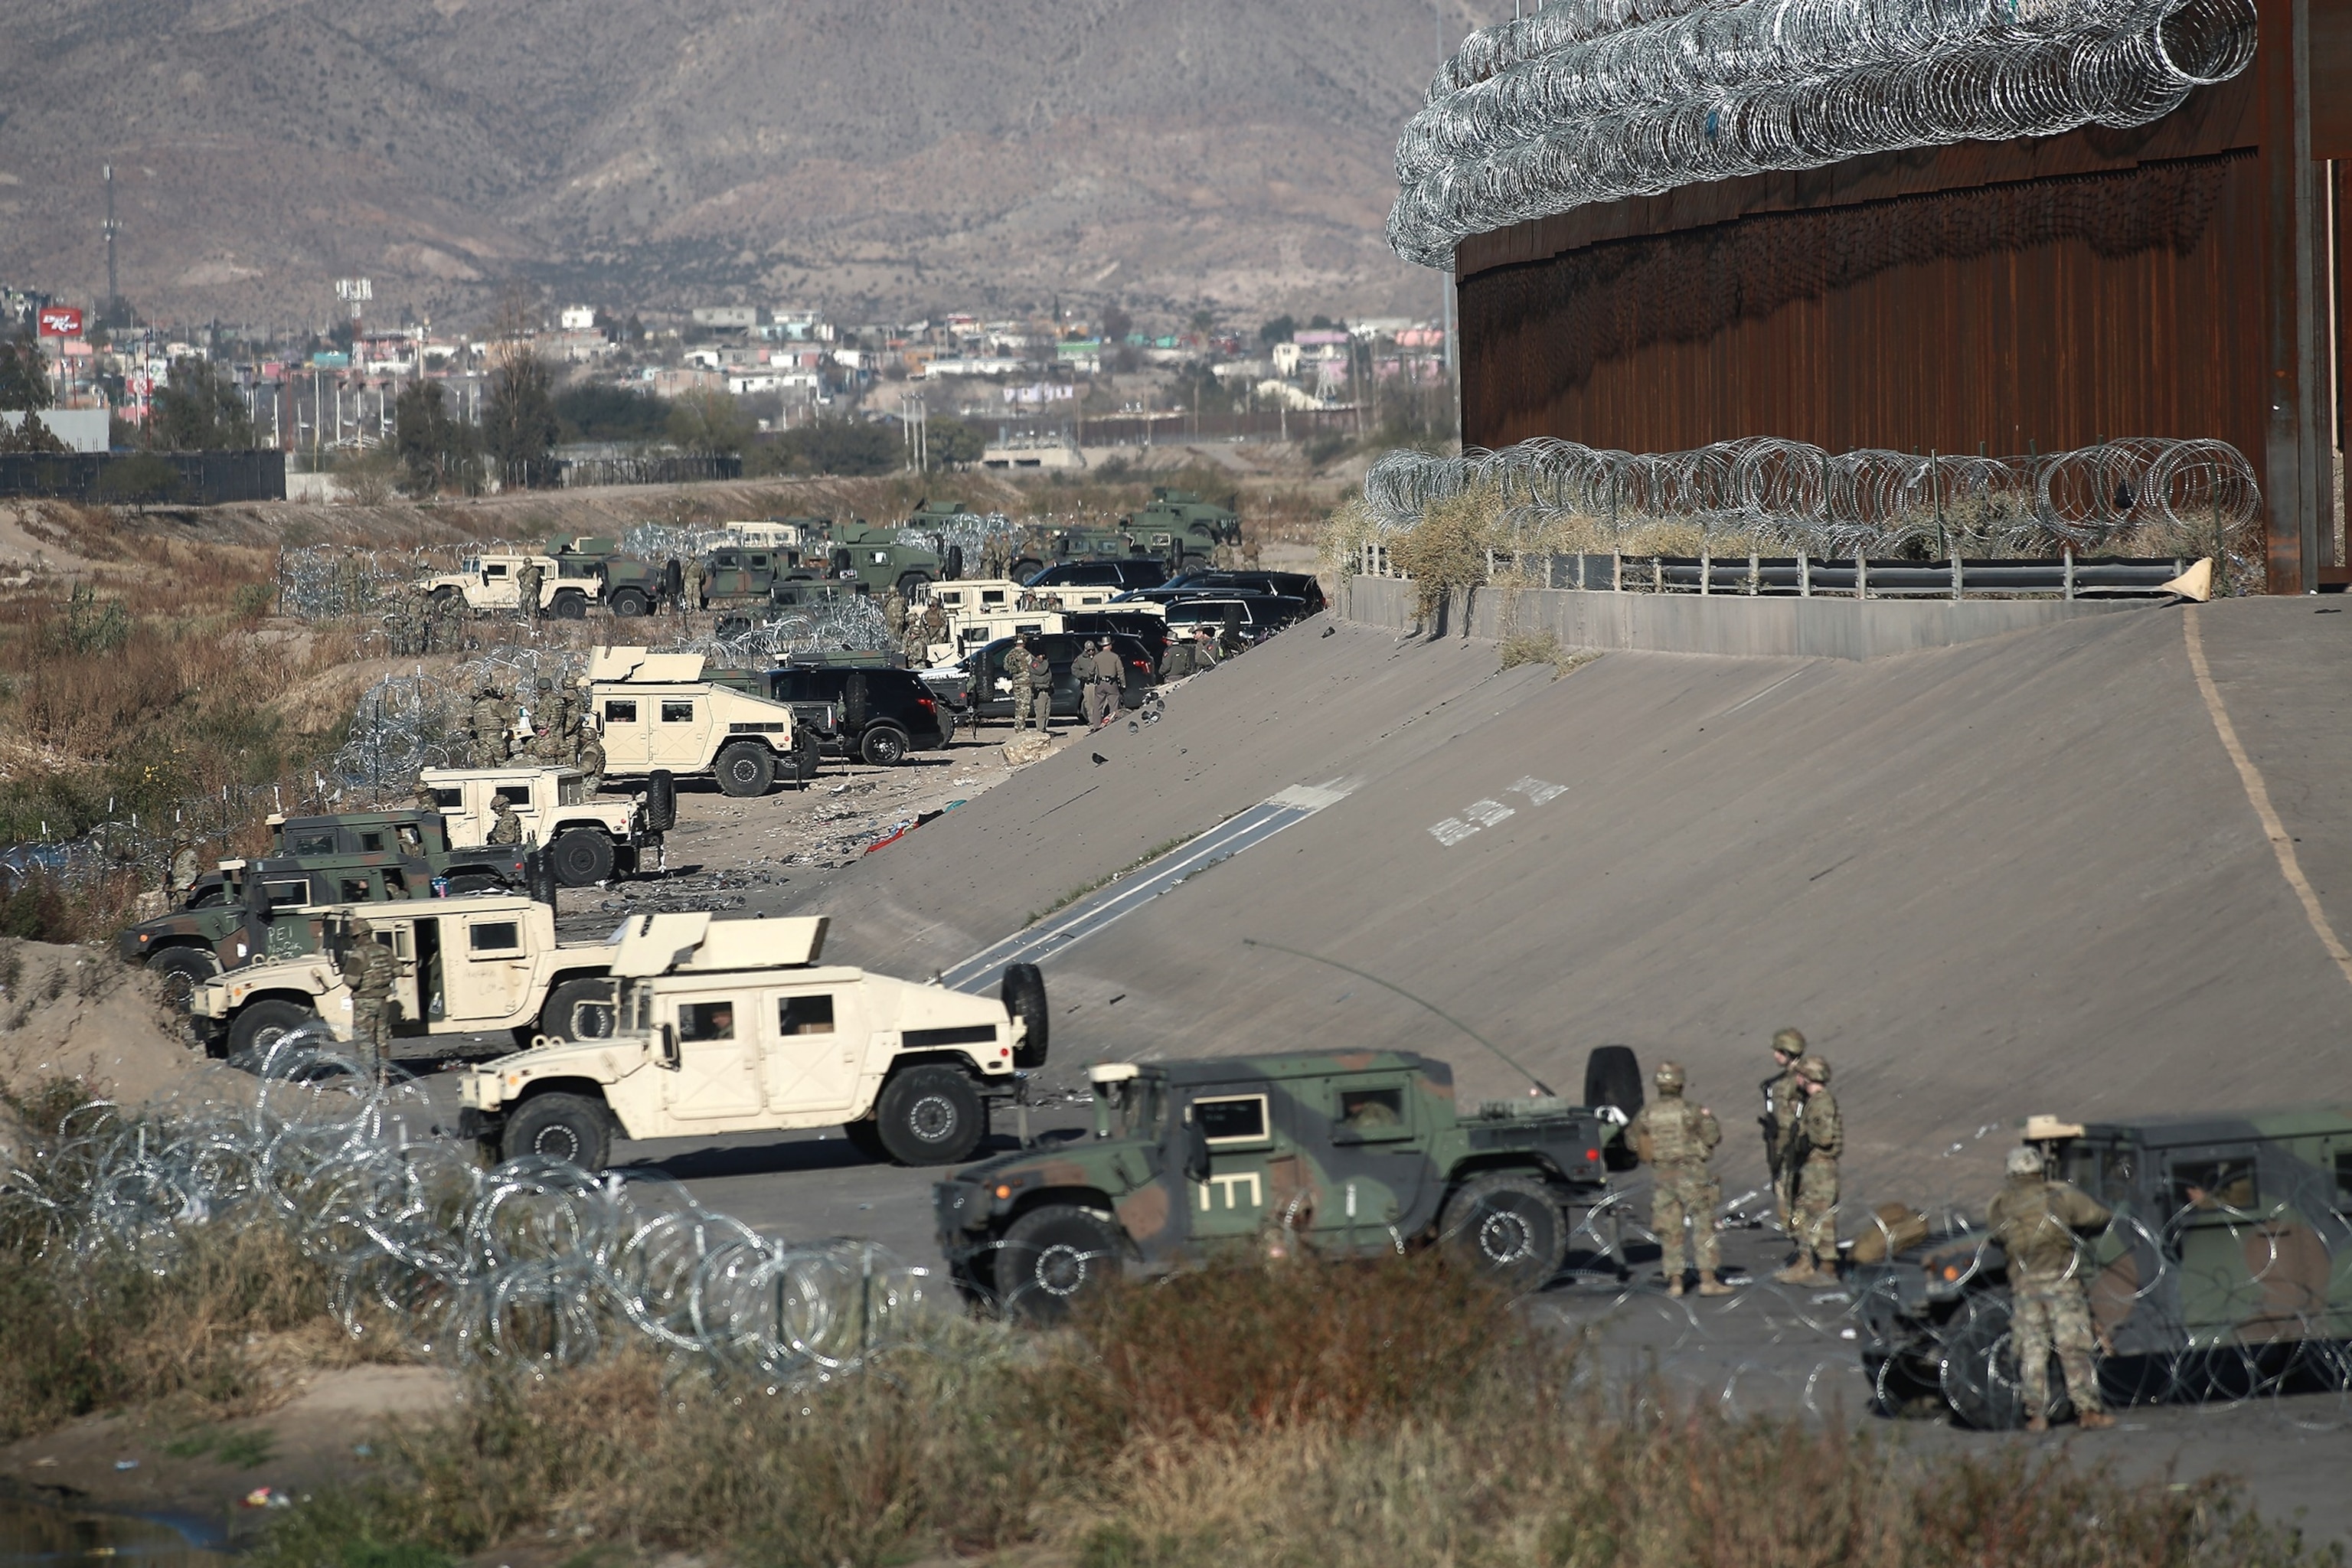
{"x": 1355, "y": 1416}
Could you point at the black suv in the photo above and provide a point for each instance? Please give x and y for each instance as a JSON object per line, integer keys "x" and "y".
{"x": 983, "y": 667}
{"x": 1289, "y": 584}
{"x": 1140, "y": 571}
{"x": 884, "y": 711}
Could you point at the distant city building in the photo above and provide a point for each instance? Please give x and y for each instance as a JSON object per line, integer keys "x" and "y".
{"x": 577, "y": 319}
{"x": 732, "y": 318}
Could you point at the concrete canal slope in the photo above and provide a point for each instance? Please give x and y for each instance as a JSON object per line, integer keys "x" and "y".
{"x": 2015, "y": 875}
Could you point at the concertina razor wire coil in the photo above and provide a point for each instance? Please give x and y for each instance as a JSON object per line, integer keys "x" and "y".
{"x": 534, "y": 1263}
{"x": 2200, "y": 495}
{"x": 1593, "y": 101}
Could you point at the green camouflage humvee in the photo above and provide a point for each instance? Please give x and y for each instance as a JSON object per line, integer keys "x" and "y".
{"x": 2227, "y": 1269}
{"x": 1179, "y": 523}
{"x": 1345, "y": 1152}
{"x": 255, "y": 912}
{"x": 878, "y": 559}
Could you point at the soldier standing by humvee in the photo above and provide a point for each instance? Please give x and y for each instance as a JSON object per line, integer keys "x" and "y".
{"x": 1784, "y": 1099}
{"x": 2036, "y": 1221}
{"x": 1819, "y": 1139}
{"x": 588, "y": 755}
{"x": 506, "y": 827}
{"x": 1677, "y": 1137}
{"x": 368, "y": 969}
{"x": 894, "y": 615}
{"x": 527, "y": 584}
{"x": 184, "y": 871}
{"x": 689, "y": 598}
{"x": 1022, "y": 670}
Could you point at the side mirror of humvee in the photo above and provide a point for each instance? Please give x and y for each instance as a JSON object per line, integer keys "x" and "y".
{"x": 669, "y": 1056}
{"x": 1196, "y": 1150}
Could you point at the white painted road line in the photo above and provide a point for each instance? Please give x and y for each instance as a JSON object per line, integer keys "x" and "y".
{"x": 984, "y": 970}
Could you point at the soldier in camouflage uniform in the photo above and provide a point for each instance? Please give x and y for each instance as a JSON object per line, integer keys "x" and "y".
{"x": 1023, "y": 669}
{"x": 1784, "y": 1099}
{"x": 589, "y": 756}
{"x": 527, "y": 586}
{"x": 689, "y": 598}
{"x": 2037, "y": 1221}
{"x": 489, "y": 720}
{"x": 1677, "y": 1139}
{"x": 894, "y": 616}
{"x": 506, "y": 827}
{"x": 368, "y": 969}
{"x": 1820, "y": 1139}
{"x": 935, "y": 626}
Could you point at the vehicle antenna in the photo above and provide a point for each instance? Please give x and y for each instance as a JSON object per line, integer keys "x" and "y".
{"x": 1541, "y": 1086}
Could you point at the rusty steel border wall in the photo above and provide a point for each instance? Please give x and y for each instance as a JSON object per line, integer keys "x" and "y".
{"x": 2184, "y": 278}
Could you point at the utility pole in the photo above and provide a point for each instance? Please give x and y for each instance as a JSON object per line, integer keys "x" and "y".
{"x": 113, "y": 288}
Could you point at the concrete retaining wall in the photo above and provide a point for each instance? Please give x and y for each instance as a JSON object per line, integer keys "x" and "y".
{"x": 1731, "y": 625}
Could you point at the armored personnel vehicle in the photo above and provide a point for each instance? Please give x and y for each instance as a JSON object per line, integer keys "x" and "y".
{"x": 465, "y": 966}
{"x": 2221, "y": 1273}
{"x": 586, "y": 838}
{"x": 709, "y": 1025}
{"x": 1179, "y": 524}
{"x": 252, "y": 911}
{"x": 879, "y": 558}
{"x": 568, "y": 585}
{"x": 659, "y": 715}
{"x": 1349, "y": 1152}
{"x": 740, "y": 575}
{"x": 630, "y": 587}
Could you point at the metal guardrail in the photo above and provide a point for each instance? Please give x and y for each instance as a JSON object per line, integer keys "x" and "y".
{"x": 2066, "y": 576}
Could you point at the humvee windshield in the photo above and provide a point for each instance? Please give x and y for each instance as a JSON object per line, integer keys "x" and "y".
{"x": 319, "y": 841}
{"x": 2221, "y": 1182}
{"x": 1138, "y": 1109}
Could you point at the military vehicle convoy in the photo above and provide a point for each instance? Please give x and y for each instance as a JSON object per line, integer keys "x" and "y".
{"x": 1348, "y": 1152}
{"x": 710, "y": 1025}
{"x": 465, "y": 966}
{"x": 659, "y": 715}
{"x": 2227, "y": 1268}
{"x": 586, "y": 838}
{"x": 252, "y": 911}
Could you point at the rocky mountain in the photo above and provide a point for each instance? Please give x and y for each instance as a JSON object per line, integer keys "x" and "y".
{"x": 887, "y": 157}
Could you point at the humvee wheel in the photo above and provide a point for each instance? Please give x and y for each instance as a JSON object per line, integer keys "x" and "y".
{"x": 580, "y": 1010}
{"x": 867, "y": 1139}
{"x": 583, "y": 857}
{"x": 883, "y": 746}
{"x": 1051, "y": 1257}
{"x": 628, "y": 602}
{"x": 744, "y": 769}
{"x": 182, "y": 970}
{"x": 561, "y": 1126}
{"x": 263, "y": 1024}
{"x": 929, "y": 1116}
{"x": 571, "y": 604}
{"x": 1506, "y": 1226}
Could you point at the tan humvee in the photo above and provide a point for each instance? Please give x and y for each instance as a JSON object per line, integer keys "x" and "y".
{"x": 494, "y": 583}
{"x": 468, "y": 965}
{"x": 733, "y": 1026}
{"x": 587, "y": 836}
{"x": 659, "y": 714}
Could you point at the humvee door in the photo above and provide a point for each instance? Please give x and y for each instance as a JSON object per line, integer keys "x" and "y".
{"x": 717, "y": 1066}
{"x": 811, "y": 1060}
{"x": 681, "y": 726}
{"x": 1237, "y": 1125}
{"x": 1374, "y": 1164}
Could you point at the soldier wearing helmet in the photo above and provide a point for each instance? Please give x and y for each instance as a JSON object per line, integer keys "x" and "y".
{"x": 1677, "y": 1139}
{"x": 1783, "y": 1101}
{"x": 506, "y": 827}
{"x": 2039, "y": 1224}
{"x": 369, "y": 970}
{"x": 1819, "y": 1140}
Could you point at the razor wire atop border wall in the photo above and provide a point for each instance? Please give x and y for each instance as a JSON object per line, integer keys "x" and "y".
{"x": 1593, "y": 101}
{"x": 534, "y": 1263}
{"x": 2195, "y": 496}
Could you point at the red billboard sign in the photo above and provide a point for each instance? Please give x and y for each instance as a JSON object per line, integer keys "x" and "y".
{"x": 60, "y": 321}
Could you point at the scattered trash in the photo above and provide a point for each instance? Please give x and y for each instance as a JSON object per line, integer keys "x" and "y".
{"x": 266, "y": 1496}
{"x": 126, "y": 1464}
